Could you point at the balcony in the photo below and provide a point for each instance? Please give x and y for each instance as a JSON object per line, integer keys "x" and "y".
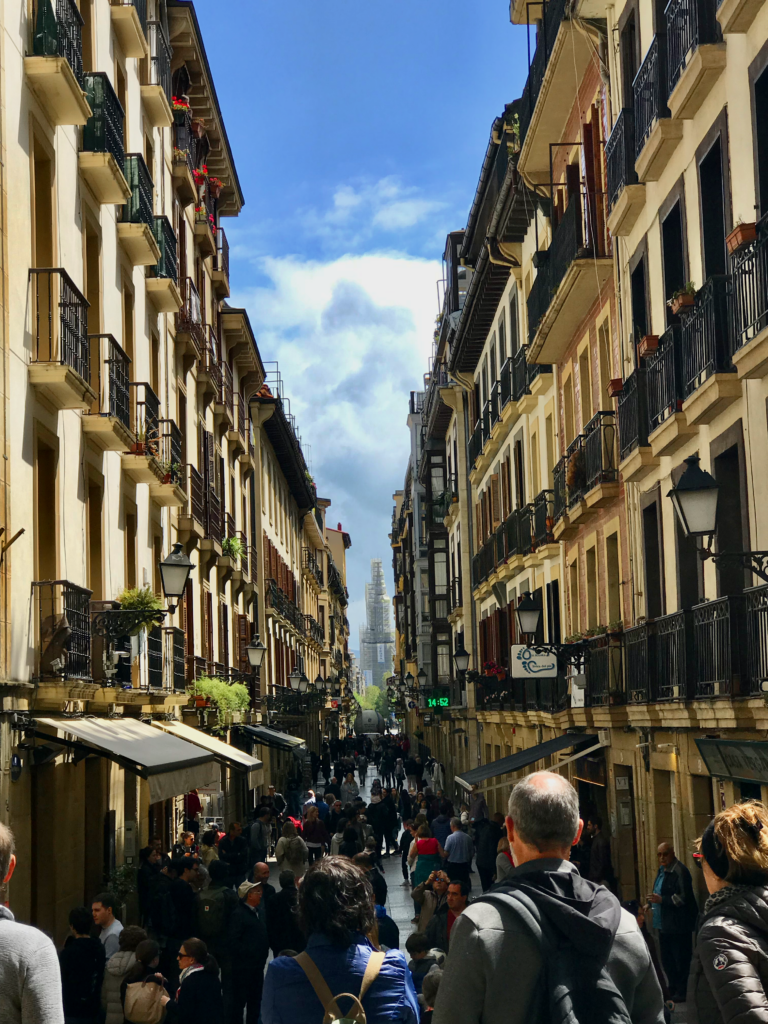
{"x": 556, "y": 73}
{"x": 456, "y": 595}
{"x": 136, "y": 229}
{"x": 710, "y": 384}
{"x": 163, "y": 282}
{"x": 205, "y": 223}
{"x": 237, "y": 432}
{"x": 108, "y": 423}
{"x": 749, "y": 276}
{"x": 102, "y": 159}
{"x": 223, "y": 406}
{"x": 505, "y": 384}
{"x": 484, "y": 562}
{"x": 719, "y": 647}
{"x": 636, "y": 458}
{"x": 59, "y": 368}
{"x": 192, "y": 521}
{"x": 63, "y": 642}
{"x": 129, "y": 23}
{"x": 209, "y": 376}
{"x": 695, "y": 56}
{"x": 220, "y": 269}
{"x": 570, "y": 484}
{"x": 312, "y": 571}
{"x": 668, "y": 427}
{"x": 314, "y": 632}
{"x": 560, "y": 490}
{"x": 656, "y": 133}
{"x": 55, "y": 69}
{"x": 626, "y": 197}
{"x": 278, "y": 603}
{"x": 475, "y": 446}
{"x": 168, "y": 491}
{"x": 602, "y": 485}
{"x": 184, "y": 157}
{"x": 639, "y": 653}
{"x": 737, "y": 15}
{"x": 604, "y": 672}
{"x": 756, "y": 609}
{"x": 141, "y": 463}
{"x": 214, "y": 534}
{"x": 544, "y": 523}
{"x": 190, "y": 333}
{"x": 570, "y": 278}
{"x": 156, "y": 94}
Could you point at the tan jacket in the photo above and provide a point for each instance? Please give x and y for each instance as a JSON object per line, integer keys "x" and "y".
{"x": 429, "y": 904}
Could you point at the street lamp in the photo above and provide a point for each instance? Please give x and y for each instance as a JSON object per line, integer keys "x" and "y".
{"x": 461, "y": 658}
{"x": 174, "y": 573}
{"x": 695, "y": 502}
{"x": 294, "y": 678}
{"x": 303, "y": 683}
{"x": 422, "y": 678}
{"x": 255, "y": 651}
{"x": 528, "y": 615}
{"x": 409, "y": 681}
{"x": 319, "y": 683}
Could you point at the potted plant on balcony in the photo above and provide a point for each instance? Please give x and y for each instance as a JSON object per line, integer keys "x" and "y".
{"x": 615, "y": 627}
{"x": 576, "y": 471}
{"x": 145, "y": 603}
{"x": 648, "y": 345}
{"x": 232, "y": 547}
{"x": 615, "y": 387}
{"x": 742, "y": 234}
{"x": 682, "y": 298}
{"x": 215, "y": 185}
{"x": 227, "y": 698}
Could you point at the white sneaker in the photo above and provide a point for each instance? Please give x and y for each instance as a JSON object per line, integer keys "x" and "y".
{"x": 404, "y": 882}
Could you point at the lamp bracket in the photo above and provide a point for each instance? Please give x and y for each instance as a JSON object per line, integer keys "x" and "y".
{"x": 574, "y": 654}
{"x": 116, "y": 623}
{"x": 755, "y": 561}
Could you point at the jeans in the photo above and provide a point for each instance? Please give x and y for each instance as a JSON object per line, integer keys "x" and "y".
{"x": 404, "y": 863}
{"x": 486, "y": 877}
{"x": 315, "y": 853}
{"x": 246, "y": 992}
{"x": 675, "y": 948}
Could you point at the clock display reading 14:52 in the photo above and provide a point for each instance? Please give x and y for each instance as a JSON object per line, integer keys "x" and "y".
{"x": 438, "y": 702}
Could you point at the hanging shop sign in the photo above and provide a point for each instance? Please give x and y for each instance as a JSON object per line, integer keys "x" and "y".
{"x": 528, "y": 663}
{"x": 741, "y": 760}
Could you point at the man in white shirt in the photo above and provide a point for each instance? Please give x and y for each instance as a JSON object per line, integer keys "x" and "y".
{"x": 103, "y": 916}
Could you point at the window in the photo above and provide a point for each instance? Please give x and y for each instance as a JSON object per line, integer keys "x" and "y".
{"x": 535, "y": 462}
{"x": 712, "y": 193}
{"x": 760, "y": 116}
{"x": 502, "y": 339}
{"x": 652, "y": 552}
{"x": 484, "y": 380}
{"x": 585, "y": 384}
{"x": 613, "y": 577}
{"x": 549, "y": 429}
{"x": 604, "y": 362}
{"x": 573, "y": 584}
{"x": 639, "y": 304}
{"x": 593, "y": 613}
{"x": 568, "y": 416}
{"x": 673, "y": 255}
{"x": 628, "y": 43}
{"x": 514, "y": 325}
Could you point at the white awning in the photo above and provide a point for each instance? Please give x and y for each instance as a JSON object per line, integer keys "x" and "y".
{"x": 170, "y": 765}
{"x": 225, "y": 753}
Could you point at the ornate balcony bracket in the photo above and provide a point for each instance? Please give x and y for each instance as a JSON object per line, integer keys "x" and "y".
{"x": 755, "y": 561}
{"x": 576, "y": 654}
{"x": 117, "y": 623}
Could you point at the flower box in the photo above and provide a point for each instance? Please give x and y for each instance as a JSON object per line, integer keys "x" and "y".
{"x": 615, "y": 387}
{"x": 648, "y": 345}
{"x": 680, "y": 302}
{"x": 741, "y": 235}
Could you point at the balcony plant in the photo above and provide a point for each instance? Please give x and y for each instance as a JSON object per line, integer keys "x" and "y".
{"x": 682, "y": 298}
{"x": 742, "y": 234}
{"x": 227, "y": 698}
{"x": 615, "y": 626}
{"x": 215, "y": 185}
{"x": 648, "y": 345}
{"x": 576, "y": 471}
{"x": 141, "y": 600}
{"x": 232, "y": 547}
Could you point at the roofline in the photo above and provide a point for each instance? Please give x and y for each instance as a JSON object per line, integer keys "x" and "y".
{"x": 189, "y": 5}
{"x": 477, "y": 202}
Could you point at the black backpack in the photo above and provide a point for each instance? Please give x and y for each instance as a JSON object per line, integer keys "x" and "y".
{"x": 214, "y": 907}
{"x": 576, "y": 989}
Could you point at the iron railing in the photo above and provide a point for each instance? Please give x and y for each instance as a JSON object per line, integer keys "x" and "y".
{"x": 495, "y": 403}
{"x": 749, "y": 274}
{"x": 245, "y": 557}
{"x": 520, "y": 373}
{"x": 140, "y": 207}
{"x": 58, "y": 32}
{"x": 189, "y": 319}
{"x": 705, "y": 334}
{"x": 226, "y": 390}
{"x": 285, "y": 607}
{"x": 103, "y": 132}
{"x": 650, "y": 91}
{"x": 314, "y": 631}
{"x": 195, "y": 496}
{"x": 719, "y": 644}
{"x": 184, "y": 142}
{"x": 639, "y": 655}
{"x": 311, "y": 565}
{"x": 551, "y": 16}
{"x": 241, "y": 416}
{"x": 756, "y": 610}
{"x": 475, "y": 445}
{"x": 664, "y": 378}
{"x": 604, "y": 672}
{"x": 169, "y": 452}
{"x": 64, "y": 630}
{"x": 543, "y": 518}
{"x": 484, "y": 562}
{"x": 222, "y": 253}
{"x": 620, "y": 155}
{"x": 485, "y": 419}
{"x": 145, "y": 418}
{"x": 674, "y": 661}
{"x": 111, "y": 374}
{"x": 456, "y": 596}
{"x": 209, "y": 358}
{"x": 600, "y": 449}
{"x": 632, "y": 412}
{"x": 212, "y": 516}
{"x": 63, "y": 337}
{"x": 168, "y": 264}
{"x": 505, "y": 381}
{"x": 575, "y": 470}
{"x": 175, "y": 645}
{"x": 140, "y": 7}
{"x": 160, "y": 56}
{"x": 155, "y": 658}
{"x": 560, "y": 489}
{"x": 690, "y": 24}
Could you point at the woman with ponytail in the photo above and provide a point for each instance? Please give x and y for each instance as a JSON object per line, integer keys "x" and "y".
{"x": 728, "y": 983}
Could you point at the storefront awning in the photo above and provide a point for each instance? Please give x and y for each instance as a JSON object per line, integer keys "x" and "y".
{"x": 514, "y": 762}
{"x": 225, "y": 753}
{"x": 170, "y": 765}
{"x": 273, "y": 738}
{"x": 740, "y": 760}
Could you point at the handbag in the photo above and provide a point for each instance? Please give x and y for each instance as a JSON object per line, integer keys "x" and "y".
{"x": 329, "y": 1001}
{"x": 145, "y": 1002}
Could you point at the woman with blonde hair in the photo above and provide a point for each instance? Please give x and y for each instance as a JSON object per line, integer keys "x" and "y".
{"x": 291, "y": 851}
{"x": 729, "y": 971}
{"x": 504, "y": 862}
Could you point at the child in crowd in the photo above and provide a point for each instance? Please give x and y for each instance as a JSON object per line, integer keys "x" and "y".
{"x": 422, "y": 959}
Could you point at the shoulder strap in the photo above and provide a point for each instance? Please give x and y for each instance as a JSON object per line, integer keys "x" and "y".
{"x": 371, "y": 972}
{"x": 316, "y": 980}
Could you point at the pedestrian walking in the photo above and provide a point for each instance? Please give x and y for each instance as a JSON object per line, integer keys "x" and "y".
{"x": 82, "y": 963}
{"x": 116, "y": 971}
{"x": 250, "y": 944}
{"x": 674, "y": 918}
{"x": 426, "y": 854}
{"x": 406, "y": 839}
{"x": 260, "y": 836}
{"x": 729, "y": 972}
{"x": 599, "y": 965}
{"x": 234, "y": 851}
{"x": 362, "y": 768}
{"x": 315, "y": 835}
{"x": 441, "y": 824}
{"x": 489, "y": 833}
{"x": 284, "y": 929}
{"x": 337, "y": 913}
{"x": 149, "y": 867}
{"x": 198, "y": 999}
{"x": 291, "y": 852}
{"x": 349, "y": 789}
{"x": 478, "y": 808}
{"x": 144, "y": 990}
{"x": 458, "y": 852}
{"x": 209, "y": 850}
{"x": 102, "y": 909}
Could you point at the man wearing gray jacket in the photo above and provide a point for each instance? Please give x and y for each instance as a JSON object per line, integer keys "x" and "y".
{"x": 30, "y": 982}
{"x": 544, "y": 930}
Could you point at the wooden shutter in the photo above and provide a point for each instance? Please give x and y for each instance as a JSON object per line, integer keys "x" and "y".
{"x": 495, "y": 502}
{"x": 208, "y": 625}
{"x": 243, "y": 639}
{"x": 505, "y": 507}
{"x": 519, "y": 474}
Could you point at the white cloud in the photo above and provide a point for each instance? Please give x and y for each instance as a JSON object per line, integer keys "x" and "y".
{"x": 352, "y": 337}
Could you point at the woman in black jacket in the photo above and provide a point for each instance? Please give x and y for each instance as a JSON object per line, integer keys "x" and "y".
{"x": 198, "y": 1000}
{"x": 728, "y": 983}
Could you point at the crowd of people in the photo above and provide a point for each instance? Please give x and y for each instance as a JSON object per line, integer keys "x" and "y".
{"x": 218, "y": 942}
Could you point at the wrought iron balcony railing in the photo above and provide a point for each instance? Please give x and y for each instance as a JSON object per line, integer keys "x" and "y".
{"x": 690, "y": 24}
{"x": 632, "y": 412}
{"x": 560, "y": 492}
{"x": 167, "y": 265}
{"x": 664, "y": 378}
{"x": 110, "y": 368}
{"x": 160, "y": 56}
{"x": 705, "y": 334}
{"x": 222, "y": 253}
{"x": 600, "y": 450}
{"x": 543, "y": 518}
{"x": 195, "y": 489}
{"x": 103, "y": 132}
{"x": 639, "y": 652}
{"x": 169, "y": 451}
{"x": 140, "y": 7}
{"x": 58, "y": 32}
{"x": 749, "y": 274}
{"x": 184, "y": 142}
{"x": 475, "y": 446}
{"x": 505, "y": 382}
{"x": 620, "y": 155}
{"x": 209, "y": 358}
{"x": 551, "y": 17}
{"x": 719, "y": 647}
{"x": 59, "y": 321}
{"x": 575, "y": 470}
{"x": 189, "y": 319}
{"x": 456, "y": 595}
{"x": 310, "y": 564}
{"x": 213, "y": 525}
{"x": 175, "y": 647}
{"x": 285, "y": 607}
{"x": 603, "y": 671}
{"x": 145, "y": 418}
{"x": 314, "y": 631}
{"x": 650, "y": 91}
{"x": 63, "y": 630}
{"x": 520, "y": 373}
{"x": 140, "y": 207}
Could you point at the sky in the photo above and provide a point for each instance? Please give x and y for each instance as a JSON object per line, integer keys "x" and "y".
{"x": 358, "y": 128}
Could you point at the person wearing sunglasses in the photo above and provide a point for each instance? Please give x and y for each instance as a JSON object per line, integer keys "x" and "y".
{"x": 198, "y": 998}
{"x": 729, "y": 971}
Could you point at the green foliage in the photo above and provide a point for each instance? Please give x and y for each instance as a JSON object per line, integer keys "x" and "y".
{"x": 232, "y": 547}
{"x": 225, "y": 697}
{"x": 122, "y": 882}
{"x": 373, "y": 698}
{"x": 140, "y": 599}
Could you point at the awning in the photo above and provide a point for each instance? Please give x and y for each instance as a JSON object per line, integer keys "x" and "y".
{"x": 273, "y": 738}
{"x": 171, "y": 765}
{"x": 514, "y": 762}
{"x": 225, "y": 753}
{"x": 740, "y": 760}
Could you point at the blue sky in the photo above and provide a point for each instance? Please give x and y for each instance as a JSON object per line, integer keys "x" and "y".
{"x": 358, "y": 130}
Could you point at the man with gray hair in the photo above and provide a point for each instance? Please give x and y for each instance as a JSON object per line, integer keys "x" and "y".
{"x": 459, "y": 850}
{"x": 564, "y": 942}
{"x": 30, "y": 982}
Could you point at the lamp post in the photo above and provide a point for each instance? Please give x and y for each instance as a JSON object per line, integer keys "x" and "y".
{"x": 528, "y": 615}
{"x": 294, "y": 679}
{"x": 174, "y": 573}
{"x": 695, "y": 502}
{"x": 255, "y": 651}
{"x": 461, "y": 662}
